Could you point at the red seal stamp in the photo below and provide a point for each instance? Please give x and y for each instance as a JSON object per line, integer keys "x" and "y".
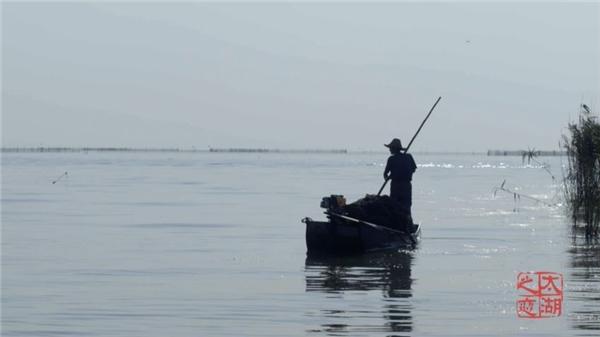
{"x": 540, "y": 294}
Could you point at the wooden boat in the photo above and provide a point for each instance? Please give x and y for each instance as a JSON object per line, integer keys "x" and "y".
{"x": 342, "y": 234}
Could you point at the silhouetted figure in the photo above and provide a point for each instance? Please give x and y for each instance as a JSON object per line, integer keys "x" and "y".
{"x": 400, "y": 168}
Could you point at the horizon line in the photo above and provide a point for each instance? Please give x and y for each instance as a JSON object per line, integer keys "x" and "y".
{"x": 38, "y": 149}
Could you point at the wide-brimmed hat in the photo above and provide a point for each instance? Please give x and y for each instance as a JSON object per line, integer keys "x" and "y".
{"x": 395, "y": 144}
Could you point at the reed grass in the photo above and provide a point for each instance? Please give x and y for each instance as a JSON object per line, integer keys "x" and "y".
{"x": 582, "y": 180}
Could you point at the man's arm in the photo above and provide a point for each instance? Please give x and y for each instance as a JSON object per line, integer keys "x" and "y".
{"x": 388, "y": 169}
{"x": 413, "y": 165}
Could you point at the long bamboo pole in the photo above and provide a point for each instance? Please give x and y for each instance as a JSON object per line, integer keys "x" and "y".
{"x": 413, "y": 138}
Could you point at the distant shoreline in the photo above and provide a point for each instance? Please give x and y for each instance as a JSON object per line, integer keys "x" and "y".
{"x": 264, "y": 150}
{"x": 520, "y": 153}
{"x": 261, "y": 150}
{"x": 131, "y": 149}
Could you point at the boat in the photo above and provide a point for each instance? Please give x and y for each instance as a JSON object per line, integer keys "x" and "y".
{"x": 343, "y": 234}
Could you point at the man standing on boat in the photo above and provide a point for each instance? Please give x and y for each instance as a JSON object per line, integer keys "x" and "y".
{"x": 400, "y": 168}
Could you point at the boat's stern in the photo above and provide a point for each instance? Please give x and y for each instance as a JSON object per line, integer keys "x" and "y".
{"x": 325, "y": 237}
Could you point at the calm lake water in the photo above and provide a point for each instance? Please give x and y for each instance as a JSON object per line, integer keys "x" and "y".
{"x": 211, "y": 244}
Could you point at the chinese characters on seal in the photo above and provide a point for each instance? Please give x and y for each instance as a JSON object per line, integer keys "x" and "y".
{"x": 540, "y": 294}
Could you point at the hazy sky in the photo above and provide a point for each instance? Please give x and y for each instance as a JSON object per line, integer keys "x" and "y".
{"x": 512, "y": 75}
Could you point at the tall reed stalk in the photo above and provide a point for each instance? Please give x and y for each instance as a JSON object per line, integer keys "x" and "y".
{"x": 582, "y": 181}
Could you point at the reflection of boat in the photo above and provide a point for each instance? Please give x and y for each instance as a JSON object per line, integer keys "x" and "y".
{"x": 387, "y": 272}
{"x": 382, "y": 270}
{"x": 370, "y": 224}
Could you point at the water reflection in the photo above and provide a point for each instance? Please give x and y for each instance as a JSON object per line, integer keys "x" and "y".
{"x": 584, "y": 287}
{"x": 349, "y": 284}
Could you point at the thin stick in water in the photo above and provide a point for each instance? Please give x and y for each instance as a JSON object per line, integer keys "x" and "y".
{"x": 59, "y": 178}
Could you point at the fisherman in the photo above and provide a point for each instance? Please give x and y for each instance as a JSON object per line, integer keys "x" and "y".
{"x": 400, "y": 168}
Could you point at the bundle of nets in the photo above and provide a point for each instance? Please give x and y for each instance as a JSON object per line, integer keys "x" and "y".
{"x": 380, "y": 210}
